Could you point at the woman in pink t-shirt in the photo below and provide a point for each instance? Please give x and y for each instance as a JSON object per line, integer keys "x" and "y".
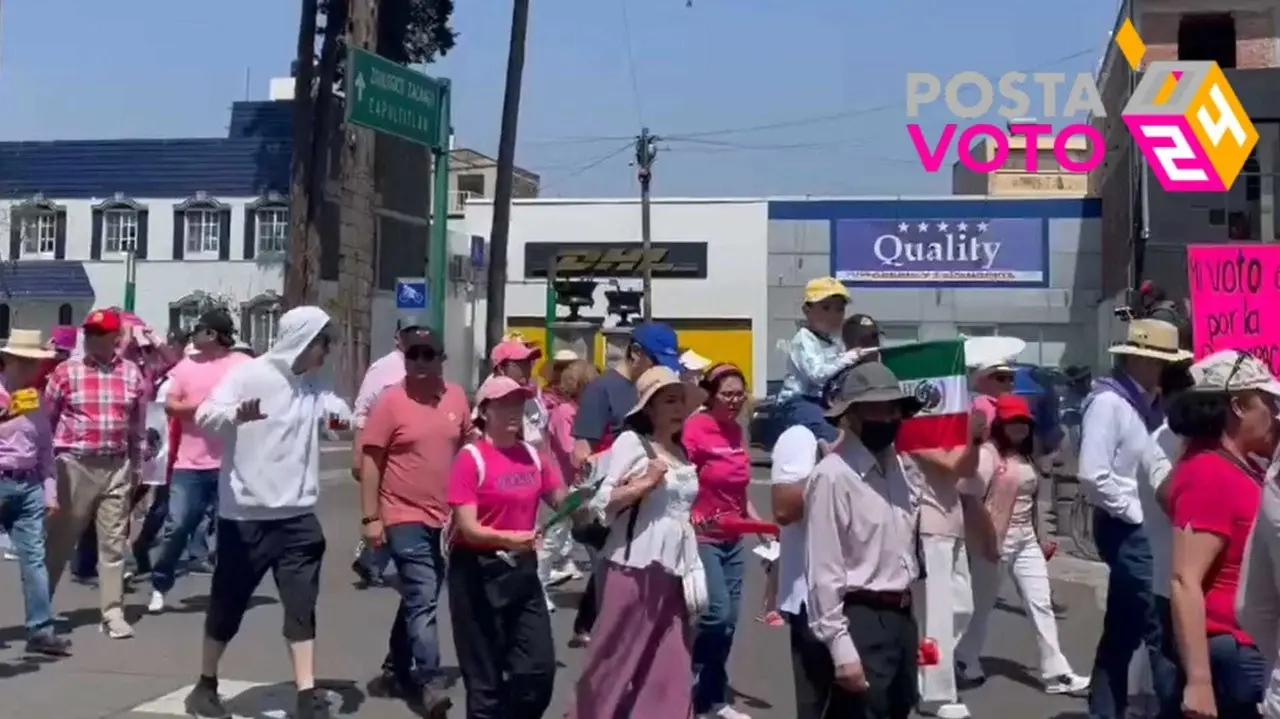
{"x": 495, "y": 486}
{"x": 557, "y": 565}
{"x": 717, "y": 447}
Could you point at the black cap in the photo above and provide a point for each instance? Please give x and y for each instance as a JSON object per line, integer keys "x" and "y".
{"x": 421, "y": 337}
{"x": 861, "y": 331}
{"x": 218, "y": 321}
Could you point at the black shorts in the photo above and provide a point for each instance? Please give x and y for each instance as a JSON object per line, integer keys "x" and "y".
{"x": 292, "y": 549}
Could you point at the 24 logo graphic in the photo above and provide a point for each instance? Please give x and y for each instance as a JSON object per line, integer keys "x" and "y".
{"x": 1186, "y": 120}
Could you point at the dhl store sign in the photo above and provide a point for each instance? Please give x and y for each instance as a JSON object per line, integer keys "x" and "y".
{"x": 682, "y": 285}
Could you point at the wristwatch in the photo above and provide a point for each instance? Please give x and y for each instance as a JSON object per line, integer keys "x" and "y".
{"x": 370, "y": 520}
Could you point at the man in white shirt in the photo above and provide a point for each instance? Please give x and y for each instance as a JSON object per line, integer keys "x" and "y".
{"x": 795, "y": 454}
{"x": 1120, "y": 416}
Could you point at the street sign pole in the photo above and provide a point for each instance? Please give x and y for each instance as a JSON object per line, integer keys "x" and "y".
{"x": 438, "y": 245}
{"x": 389, "y": 98}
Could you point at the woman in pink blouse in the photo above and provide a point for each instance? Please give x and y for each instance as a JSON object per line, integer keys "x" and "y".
{"x": 556, "y": 563}
{"x": 717, "y": 446}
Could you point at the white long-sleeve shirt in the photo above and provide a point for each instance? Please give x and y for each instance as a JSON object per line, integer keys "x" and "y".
{"x": 1115, "y": 444}
{"x": 1258, "y": 598}
{"x": 271, "y": 466}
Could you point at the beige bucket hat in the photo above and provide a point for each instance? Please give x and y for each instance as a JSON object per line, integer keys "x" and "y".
{"x": 26, "y": 343}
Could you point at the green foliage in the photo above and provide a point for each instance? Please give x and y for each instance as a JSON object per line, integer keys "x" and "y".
{"x": 409, "y": 31}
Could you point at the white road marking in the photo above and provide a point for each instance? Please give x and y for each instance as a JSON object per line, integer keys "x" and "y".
{"x": 245, "y": 700}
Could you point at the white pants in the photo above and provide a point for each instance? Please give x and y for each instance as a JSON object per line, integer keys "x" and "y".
{"x": 556, "y": 550}
{"x": 1024, "y": 561}
{"x": 942, "y": 611}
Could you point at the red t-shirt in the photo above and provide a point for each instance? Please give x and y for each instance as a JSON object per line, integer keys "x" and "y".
{"x": 1211, "y": 493}
{"x": 419, "y": 439}
{"x": 507, "y": 497}
{"x": 719, "y": 451}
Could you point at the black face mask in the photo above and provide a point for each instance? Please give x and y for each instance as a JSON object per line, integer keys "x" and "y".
{"x": 877, "y": 436}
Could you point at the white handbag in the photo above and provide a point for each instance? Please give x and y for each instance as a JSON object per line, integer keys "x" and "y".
{"x": 694, "y": 580}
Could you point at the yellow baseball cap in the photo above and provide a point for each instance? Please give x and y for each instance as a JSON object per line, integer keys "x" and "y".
{"x": 819, "y": 289}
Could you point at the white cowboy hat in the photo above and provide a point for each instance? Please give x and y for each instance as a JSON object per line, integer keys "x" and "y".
{"x": 26, "y": 343}
{"x": 991, "y": 354}
{"x": 1155, "y": 339}
{"x": 694, "y": 362}
{"x": 565, "y": 356}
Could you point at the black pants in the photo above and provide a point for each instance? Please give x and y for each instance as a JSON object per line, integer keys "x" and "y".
{"x": 292, "y": 549}
{"x": 587, "y": 605}
{"x": 502, "y": 632}
{"x": 887, "y": 640}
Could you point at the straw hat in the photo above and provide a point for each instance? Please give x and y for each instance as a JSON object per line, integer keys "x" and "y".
{"x": 26, "y": 343}
{"x": 565, "y": 356}
{"x": 654, "y": 379}
{"x": 1154, "y": 339}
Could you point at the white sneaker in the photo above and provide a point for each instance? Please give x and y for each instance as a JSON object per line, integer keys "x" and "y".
{"x": 568, "y": 573}
{"x": 944, "y": 710}
{"x": 1066, "y": 684}
{"x": 725, "y": 711}
{"x": 10, "y": 556}
{"x": 116, "y": 627}
{"x": 157, "y": 603}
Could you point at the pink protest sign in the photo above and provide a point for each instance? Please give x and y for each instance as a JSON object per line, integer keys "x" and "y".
{"x": 1235, "y": 295}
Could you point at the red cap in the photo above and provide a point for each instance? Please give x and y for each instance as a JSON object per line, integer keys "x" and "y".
{"x": 1011, "y": 407}
{"x": 104, "y": 321}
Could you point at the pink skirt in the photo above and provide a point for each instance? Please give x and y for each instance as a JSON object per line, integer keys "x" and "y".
{"x": 638, "y": 663}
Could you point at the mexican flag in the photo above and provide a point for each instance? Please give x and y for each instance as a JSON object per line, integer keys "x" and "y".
{"x": 934, "y": 373}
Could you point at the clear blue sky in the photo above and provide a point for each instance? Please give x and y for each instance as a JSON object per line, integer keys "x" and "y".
{"x": 160, "y": 68}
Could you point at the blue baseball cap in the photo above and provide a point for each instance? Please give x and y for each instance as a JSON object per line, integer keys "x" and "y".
{"x": 658, "y": 341}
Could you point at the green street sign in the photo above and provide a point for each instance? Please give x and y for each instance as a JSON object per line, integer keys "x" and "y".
{"x": 390, "y": 98}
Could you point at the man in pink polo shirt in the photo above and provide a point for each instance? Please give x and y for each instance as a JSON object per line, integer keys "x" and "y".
{"x": 194, "y": 485}
{"x": 407, "y": 444}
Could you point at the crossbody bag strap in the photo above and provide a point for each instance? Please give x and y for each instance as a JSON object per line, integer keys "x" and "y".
{"x": 634, "y": 514}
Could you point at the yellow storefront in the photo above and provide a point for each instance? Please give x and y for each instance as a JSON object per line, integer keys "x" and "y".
{"x": 719, "y": 340}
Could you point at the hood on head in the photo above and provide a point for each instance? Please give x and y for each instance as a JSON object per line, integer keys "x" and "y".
{"x": 294, "y": 332}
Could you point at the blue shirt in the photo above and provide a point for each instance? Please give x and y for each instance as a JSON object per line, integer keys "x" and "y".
{"x": 812, "y": 361}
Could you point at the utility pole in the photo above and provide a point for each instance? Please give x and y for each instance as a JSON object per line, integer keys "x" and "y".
{"x": 358, "y": 220}
{"x": 646, "y": 152}
{"x": 300, "y": 276}
{"x": 495, "y": 314}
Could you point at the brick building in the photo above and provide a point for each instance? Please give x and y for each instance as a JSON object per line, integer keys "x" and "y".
{"x": 1243, "y": 37}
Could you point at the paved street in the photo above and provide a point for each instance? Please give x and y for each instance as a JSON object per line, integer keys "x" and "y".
{"x": 145, "y": 678}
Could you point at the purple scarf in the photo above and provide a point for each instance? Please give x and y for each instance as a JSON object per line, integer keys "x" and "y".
{"x": 1119, "y": 383}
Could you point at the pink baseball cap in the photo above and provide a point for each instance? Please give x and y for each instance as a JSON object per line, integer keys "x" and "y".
{"x": 497, "y": 387}
{"x": 63, "y": 337}
{"x": 513, "y": 351}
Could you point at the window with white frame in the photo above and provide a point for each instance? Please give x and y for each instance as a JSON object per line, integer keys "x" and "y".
{"x": 203, "y": 231}
{"x": 264, "y": 321}
{"x": 893, "y": 335}
{"x": 119, "y": 231}
{"x": 272, "y": 227}
{"x": 39, "y": 231}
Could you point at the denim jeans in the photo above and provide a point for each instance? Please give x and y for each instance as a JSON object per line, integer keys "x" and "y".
{"x": 152, "y": 524}
{"x": 22, "y": 517}
{"x": 413, "y": 654}
{"x": 1132, "y": 619}
{"x": 191, "y": 492}
{"x": 806, "y": 411}
{"x": 203, "y": 545}
{"x": 375, "y": 560}
{"x": 725, "y": 564}
{"x": 1239, "y": 675}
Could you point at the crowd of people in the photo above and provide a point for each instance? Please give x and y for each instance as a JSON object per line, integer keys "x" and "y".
{"x": 888, "y": 562}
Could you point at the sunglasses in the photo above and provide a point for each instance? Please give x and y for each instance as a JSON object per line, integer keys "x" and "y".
{"x": 1002, "y": 378}
{"x": 426, "y": 354}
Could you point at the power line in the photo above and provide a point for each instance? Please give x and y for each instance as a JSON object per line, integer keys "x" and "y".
{"x": 631, "y": 62}
{"x": 590, "y": 165}
{"x": 797, "y": 122}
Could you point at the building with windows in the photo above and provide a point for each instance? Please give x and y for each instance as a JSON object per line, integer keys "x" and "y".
{"x": 206, "y": 220}
{"x": 1243, "y": 38}
{"x": 1013, "y": 179}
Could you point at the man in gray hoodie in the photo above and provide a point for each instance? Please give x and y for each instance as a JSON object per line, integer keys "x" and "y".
{"x": 267, "y": 412}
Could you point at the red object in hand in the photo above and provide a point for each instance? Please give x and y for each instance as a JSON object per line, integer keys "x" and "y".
{"x": 1050, "y": 548}
{"x": 741, "y": 526}
{"x": 928, "y": 655}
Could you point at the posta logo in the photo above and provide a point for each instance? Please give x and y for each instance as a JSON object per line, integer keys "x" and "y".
{"x": 1184, "y": 117}
{"x": 1186, "y": 120}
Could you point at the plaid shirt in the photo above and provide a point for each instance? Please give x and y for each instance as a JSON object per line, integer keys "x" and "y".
{"x": 98, "y": 408}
